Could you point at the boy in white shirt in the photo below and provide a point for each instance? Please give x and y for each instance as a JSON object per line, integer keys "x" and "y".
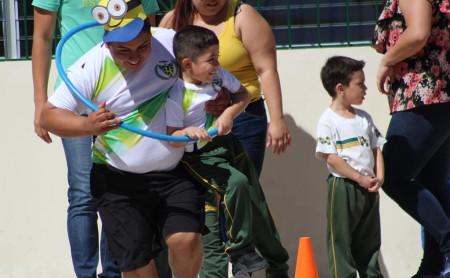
{"x": 349, "y": 142}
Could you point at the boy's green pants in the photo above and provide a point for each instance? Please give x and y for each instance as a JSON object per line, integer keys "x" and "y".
{"x": 215, "y": 263}
{"x": 223, "y": 165}
{"x": 353, "y": 230}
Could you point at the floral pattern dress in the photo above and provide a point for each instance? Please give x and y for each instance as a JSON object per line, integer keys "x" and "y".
{"x": 423, "y": 78}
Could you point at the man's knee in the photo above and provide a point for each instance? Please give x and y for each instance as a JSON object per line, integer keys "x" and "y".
{"x": 185, "y": 242}
{"x": 185, "y": 253}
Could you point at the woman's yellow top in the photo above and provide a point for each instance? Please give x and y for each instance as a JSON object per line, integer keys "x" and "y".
{"x": 235, "y": 58}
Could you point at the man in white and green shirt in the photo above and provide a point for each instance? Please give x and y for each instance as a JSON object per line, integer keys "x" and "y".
{"x": 140, "y": 192}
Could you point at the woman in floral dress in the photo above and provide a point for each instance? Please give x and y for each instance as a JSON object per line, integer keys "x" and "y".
{"x": 414, "y": 74}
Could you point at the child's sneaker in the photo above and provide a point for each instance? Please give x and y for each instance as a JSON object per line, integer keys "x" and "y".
{"x": 249, "y": 262}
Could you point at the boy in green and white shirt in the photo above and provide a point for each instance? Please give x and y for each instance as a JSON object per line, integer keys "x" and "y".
{"x": 221, "y": 164}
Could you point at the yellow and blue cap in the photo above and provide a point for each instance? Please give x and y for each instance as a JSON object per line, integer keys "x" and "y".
{"x": 122, "y": 20}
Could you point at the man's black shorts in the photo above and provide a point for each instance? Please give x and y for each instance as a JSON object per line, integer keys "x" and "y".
{"x": 136, "y": 208}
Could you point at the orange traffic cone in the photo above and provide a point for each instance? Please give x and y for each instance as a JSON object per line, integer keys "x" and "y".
{"x": 306, "y": 265}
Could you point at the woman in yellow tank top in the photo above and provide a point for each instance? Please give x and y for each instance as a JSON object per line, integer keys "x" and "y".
{"x": 247, "y": 50}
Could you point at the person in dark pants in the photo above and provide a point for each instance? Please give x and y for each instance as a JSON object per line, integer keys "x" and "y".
{"x": 87, "y": 245}
{"x": 414, "y": 74}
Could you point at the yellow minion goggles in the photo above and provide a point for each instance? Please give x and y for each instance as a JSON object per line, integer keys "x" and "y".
{"x": 117, "y": 13}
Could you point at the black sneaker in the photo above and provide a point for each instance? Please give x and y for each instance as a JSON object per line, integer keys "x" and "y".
{"x": 249, "y": 262}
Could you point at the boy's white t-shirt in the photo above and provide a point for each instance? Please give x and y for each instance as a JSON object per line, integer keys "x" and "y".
{"x": 136, "y": 96}
{"x": 351, "y": 139}
{"x": 186, "y": 103}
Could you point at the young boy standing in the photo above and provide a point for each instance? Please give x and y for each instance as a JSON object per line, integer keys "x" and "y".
{"x": 349, "y": 142}
{"x": 221, "y": 164}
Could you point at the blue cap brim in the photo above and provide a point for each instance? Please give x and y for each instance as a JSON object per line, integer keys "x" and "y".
{"x": 126, "y": 33}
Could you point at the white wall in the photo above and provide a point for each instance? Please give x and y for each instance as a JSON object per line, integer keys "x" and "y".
{"x": 33, "y": 197}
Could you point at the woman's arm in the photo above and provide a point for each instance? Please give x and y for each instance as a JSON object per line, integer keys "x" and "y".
{"x": 44, "y": 28}
{"x": 417, "y": 15}
{"x": 259, "y": 41}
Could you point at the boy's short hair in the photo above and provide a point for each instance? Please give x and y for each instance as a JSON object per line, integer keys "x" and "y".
{"x": 339, "y": 69}
{"x": 191, "y": 41}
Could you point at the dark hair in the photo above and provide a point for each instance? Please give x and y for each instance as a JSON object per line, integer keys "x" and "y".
{"x": 147, "y": 26}
{"x": 191, "y": 41}
{"x": 339, "y": 69}
{"x": 183, "y": 14}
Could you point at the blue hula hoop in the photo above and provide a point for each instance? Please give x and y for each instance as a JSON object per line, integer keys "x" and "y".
{"x": 93, "y": 107}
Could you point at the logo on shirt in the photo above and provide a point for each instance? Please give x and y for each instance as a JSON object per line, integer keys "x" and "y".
{"x": 217, "y": 83}
{"x": 363, "y": 141}
{"x": 166, "y": 70}
{"x": 324, "y": 141}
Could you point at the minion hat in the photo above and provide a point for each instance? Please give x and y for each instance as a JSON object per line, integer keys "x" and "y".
{"x": 122, "y": 20}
